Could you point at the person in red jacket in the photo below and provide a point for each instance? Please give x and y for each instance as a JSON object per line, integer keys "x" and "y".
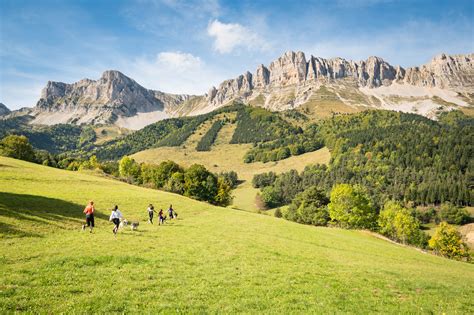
{"x": 89, "y": 212}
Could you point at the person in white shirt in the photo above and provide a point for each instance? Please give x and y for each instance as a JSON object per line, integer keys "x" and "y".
{"x": 151, "y": 210}
{"x": 115, "y": 217}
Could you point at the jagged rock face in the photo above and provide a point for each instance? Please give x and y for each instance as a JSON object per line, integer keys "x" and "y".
{"x": 4, "y": 110}
{"x": 288, "y": 69}
{"x": 114, "y": 95}
{"x": 293, "y": 69}
{"x": 453, "y": 72}
{"x": 288, "y": 82}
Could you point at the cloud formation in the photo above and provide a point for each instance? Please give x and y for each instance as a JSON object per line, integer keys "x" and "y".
{"x": 228, "y": 37}
{"x": 173, "y": 72}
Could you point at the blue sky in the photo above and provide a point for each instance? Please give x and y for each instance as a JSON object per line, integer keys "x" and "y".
{"x": 188, "y": 46}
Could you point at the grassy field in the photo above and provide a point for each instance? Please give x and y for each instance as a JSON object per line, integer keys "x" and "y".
{"x": 229, "y": 157}
{"x": 210, "y": 260}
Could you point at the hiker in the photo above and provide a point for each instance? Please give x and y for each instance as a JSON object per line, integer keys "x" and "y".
{"x": 151, "y": 209}
{"x": 89, "y": 211}
{"x": 171, "y": 212}
{"x": 161, "y": 216}
{"x": 115, "y": 217}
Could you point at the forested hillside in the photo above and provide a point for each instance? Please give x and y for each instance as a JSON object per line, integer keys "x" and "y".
{"x": 393, "y": 155}
{"x": 54, "y": 139}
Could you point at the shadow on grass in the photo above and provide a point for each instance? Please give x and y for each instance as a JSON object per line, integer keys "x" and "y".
{"x": 38, "y": 210}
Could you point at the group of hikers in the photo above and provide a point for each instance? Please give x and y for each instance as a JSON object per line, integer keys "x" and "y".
{"x": 116, "y": 216}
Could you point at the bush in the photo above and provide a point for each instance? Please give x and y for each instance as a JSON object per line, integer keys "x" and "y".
{"x": 350, "y": 207}
{"x": 199, "y": 183}
{"x": 176, "y": 183}
{"x": 263, "y": 180}
{"x": 398, "y": 224}
{"x": 309, "y": 207}
{"x": 230, "y": 178}
{"x": 447, "y": 242}
{"x": 17, "y": 147}
{"x": 271, "y": 197}
{"x": 453, "y": 214}
{"x": 278, "y": 213}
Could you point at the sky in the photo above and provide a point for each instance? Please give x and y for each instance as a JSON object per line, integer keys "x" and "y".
{"x": 188, "y": 46}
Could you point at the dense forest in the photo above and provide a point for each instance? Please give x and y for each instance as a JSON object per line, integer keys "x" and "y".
{"x": 54, "y": 139}
{"x": 394, "y": 156}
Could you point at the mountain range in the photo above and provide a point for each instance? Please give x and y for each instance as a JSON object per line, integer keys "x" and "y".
{"x": 291, "y": 81}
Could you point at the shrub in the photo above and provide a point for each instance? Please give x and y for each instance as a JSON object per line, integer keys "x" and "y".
{"x": 278, "y": 213}
{"x": 309, "y": 207}
{"x": 350, "y": 207}
{"x": 453, "y": 214}
{"x": 230, "y": 178}
{"x": 447, "y": 242}
{"x": 398, "y": 224}
{"x": 263, "y": 180}
{"x": 199, "y": 183}
{"x": 271, "y": 197}
{"x": 17, "y": 147}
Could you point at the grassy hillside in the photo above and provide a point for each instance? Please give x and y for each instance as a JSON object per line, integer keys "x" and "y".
{"x": 229, "y": 157}
{"x": 210, "y": 260}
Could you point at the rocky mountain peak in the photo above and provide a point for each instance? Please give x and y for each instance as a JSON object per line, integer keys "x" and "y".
{"x": 4, "y": 110}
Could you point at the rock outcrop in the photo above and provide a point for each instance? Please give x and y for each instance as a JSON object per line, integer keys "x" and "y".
{"x": 4, "y": 110}
{"x": 294, "y": 70}
{"x": 105, "y": 100}
{"x": 288, "y": 82}
{"x": 444, "y": 71}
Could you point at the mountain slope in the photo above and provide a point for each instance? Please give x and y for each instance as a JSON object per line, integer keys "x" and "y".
{"x": 319, "y": 86}
{"x": 293, "y": 80}
{"x": 4, "y": 110}
{"x": 210, "y": 260}
{"x": 111, "y": 99}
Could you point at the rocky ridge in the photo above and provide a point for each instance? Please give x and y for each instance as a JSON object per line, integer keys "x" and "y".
{"x": 4, "y": 110}
{"x": 291, "y": 81}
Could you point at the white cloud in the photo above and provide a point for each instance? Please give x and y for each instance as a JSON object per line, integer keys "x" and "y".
{"x": 228, "y": 37}
{"x": 174, "y": 72}
{"x": 179, "y": 61}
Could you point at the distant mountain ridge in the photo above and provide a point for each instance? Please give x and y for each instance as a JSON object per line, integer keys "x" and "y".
{"x": 4, "y": 109}
{"x": 288, "y": 82}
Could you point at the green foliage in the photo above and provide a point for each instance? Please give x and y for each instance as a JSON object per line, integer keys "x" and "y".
{"x": 397, "y": 223}
{"x": 164, "y": 171}
{"x": 54, "y": 139}
{"x": 208, "y": 139}
{"x": 378, "y": 150}
{"x": 278, "y": 213}
{"x": 17, "y": 147}
{"x": 309, "y": 207}
{"x": 87, "y": 136}
{"x": 271, "y": 197}
{"x": 230, "y": 178}
{"x": 447, "y": 242}
{"x": 255, "y": 124}
{"x": 282, "y": 148}
{"x": 350, "y": 207}
{"x": 264, "y": 179}
{"x": 129, "y": 169}
{"x": 169, "y": 132}
{"x": 199, "y": 183}
{"x": 175, "y": 183}
{"x": 453, "y": 214}
{"x": 223, "y": 196}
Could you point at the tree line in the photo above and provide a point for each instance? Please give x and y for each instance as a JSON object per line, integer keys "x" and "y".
{"x": 195, "y": 182}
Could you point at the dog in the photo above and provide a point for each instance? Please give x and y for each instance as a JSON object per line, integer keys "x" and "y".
{"x": 123, "y": 223}
{"x": 134, "y": 226}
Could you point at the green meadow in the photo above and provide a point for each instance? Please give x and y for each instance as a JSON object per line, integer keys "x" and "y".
{"x": 209, "y": 260}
